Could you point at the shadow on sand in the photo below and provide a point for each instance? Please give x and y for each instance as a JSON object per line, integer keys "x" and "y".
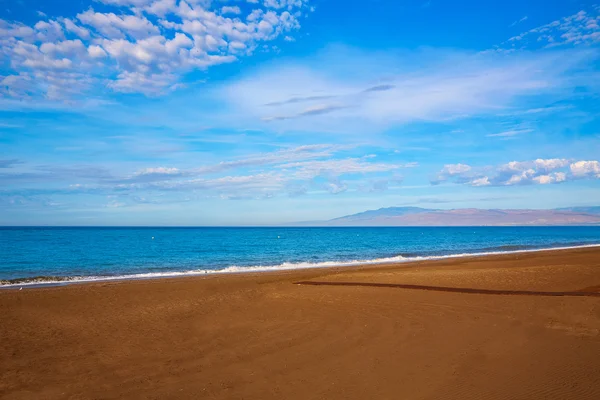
{"x": 587, "y": 292}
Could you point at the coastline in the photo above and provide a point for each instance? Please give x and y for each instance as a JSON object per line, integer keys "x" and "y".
{"x": 42, "y": 281}
{"x": 373, "y": 331}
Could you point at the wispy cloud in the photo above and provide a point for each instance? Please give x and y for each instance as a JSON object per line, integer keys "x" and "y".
{"x": 519, "y": 21}
{"x": 9, "y": 163}
{"x": 379, "y": 88}
{"x": 442, "y": 86}
{"x": 310, "y": 111}
{"x": 294, "y": 100}
{"x": 311, "y": 169}
{"x": 291, "y": 171}
{"x": 510, "y": 133}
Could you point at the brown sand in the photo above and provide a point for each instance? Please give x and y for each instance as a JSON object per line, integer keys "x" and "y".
{"x": 476, "y": 328}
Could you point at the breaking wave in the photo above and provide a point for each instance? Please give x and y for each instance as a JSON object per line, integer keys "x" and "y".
{"x": 58, "y": 280}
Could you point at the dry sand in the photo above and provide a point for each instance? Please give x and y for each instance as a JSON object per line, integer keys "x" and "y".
{"x": 381, "y": 332}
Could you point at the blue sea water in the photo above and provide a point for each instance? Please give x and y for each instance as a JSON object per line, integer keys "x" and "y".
{"x": 34, "y": 255}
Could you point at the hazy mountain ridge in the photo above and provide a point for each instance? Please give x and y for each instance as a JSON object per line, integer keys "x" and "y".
{"x": 387, "y": 212}
{"x": 595, "y": 210}
{"x": 416, "y": 216}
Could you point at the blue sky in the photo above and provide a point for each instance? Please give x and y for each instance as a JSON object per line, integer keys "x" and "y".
{"x": 251, "y": 112}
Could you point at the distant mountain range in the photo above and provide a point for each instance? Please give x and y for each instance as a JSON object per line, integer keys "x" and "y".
{"x": 416, "y": 216}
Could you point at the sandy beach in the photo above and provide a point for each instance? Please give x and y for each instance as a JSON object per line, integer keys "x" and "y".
{"x": 515, "y": 326}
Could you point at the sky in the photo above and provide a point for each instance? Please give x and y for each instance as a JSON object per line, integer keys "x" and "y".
{"x": 263, "y": 112}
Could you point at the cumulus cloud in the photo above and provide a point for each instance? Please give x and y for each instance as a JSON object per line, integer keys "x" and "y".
{"x": 483, "y": 181}
{"x": 115, "y": 26}
{"x": 555, "y": 177}
{"x": 143, "y": 46}
{"x": 231, "y": 10}
{"x": 79, "y": 31}
{"x": 289, "y": 4}
{"x": 451, "y": 170}
{"x": 540, "y": 171}
{"x": 586, "y": 169}
{"x": 550, "y": 164}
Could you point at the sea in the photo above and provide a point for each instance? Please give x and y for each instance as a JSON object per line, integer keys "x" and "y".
{"x": 59, "y": 255}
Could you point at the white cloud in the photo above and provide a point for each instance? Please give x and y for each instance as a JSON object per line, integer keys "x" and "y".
{"x": 483, "y": 181}
{"x": 76, "y": 29}
{"x": 515, "y": 166}
{"x": 161, "y": 7}
{"x": 291, "y": 171}
{"x": 231, "y": 10}
{"x": 114, "y": 26}
{"x": 96, "y": 51}
{"x": 300, "y": 153}
{"x": 48, "y": 31}
{"x": 540, "y": 171}
{"x": 586, "y": 169}
{"x": 525, "y": 176}
{"x": 289, "y": 4}
{"x": 510, "y": 133}
{"x": 228, "y": 187}
{"x": 550, "y": 164}
{"x": 580, "y": 28}
{"x": 555, "y": 177}
{"x": 148, "y": 45}
{"x": 342, "y": 89}
{"x": 311, "y": 169}
{"x": 158, "y": 171}
{"x": 451, "y": 170}
{"x": 12, "y": 31}
{"x": 455, "y": 169}
{"x": 69, "y": 48}
{"x": 519, "y": 21}
{"x": 335, "y": 187}
{"x": 149, "y": 84}
{"x": 129, "y": 3}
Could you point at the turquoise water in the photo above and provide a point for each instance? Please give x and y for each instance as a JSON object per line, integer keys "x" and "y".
{"x": 34, "y": 255}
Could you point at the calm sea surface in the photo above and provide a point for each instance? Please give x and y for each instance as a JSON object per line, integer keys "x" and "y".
{"x": 31, "y": 255}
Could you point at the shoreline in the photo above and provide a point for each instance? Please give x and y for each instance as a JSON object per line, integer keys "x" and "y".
{"x": 40, "y": 281}
{"x": 518, "y": 325}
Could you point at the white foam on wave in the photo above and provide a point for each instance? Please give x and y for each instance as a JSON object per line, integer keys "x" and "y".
{"x": 281, "y": 267}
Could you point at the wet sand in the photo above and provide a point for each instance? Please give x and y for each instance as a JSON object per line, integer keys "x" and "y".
{"x": 519, "y": 326}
